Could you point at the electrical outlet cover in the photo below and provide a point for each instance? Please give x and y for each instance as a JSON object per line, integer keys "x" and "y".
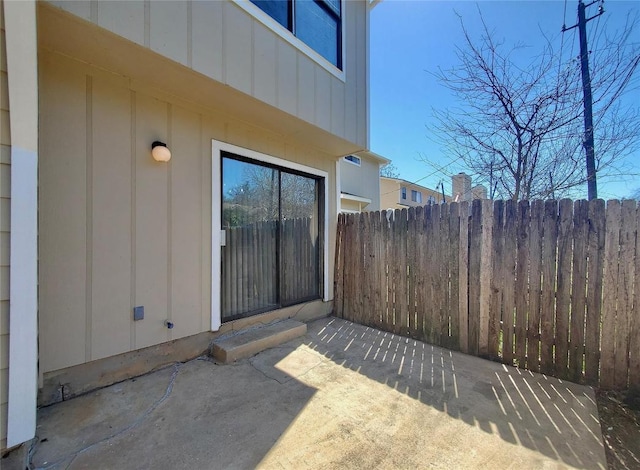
{"x": 138, "y": 313}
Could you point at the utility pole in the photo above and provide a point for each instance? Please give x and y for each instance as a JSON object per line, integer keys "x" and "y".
{"x": 592, "y": 187}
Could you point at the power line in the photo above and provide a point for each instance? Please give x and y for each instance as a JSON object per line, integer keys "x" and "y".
{"x": 438, "y": 170}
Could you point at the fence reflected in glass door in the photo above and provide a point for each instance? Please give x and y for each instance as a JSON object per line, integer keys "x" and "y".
{"x": 271, "y": 256}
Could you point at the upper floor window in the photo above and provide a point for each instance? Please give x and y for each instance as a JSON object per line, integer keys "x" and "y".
{"x": 416, "y": 196}
{"x": 317, "y": 23}
{"x": 432, "y": 200}
{"x": 403, "y": 193}
{"x": 353, "y": 159}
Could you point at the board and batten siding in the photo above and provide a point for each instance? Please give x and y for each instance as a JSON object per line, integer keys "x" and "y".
{"x": 5, "y": 219}
{"x": 221, "y": 40}
{"x": 362, "y": 180}
{"x": 118, "y": 229}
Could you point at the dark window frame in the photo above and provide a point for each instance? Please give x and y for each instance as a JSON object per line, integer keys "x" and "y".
{"x": 321, "y": 210}
{"x": 355, "y": 160}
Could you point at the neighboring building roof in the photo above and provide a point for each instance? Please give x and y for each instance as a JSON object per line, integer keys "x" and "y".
{"x": 353, "y": 197}
{"x": 373, "y": 156}
{"x": 408, "y": 183}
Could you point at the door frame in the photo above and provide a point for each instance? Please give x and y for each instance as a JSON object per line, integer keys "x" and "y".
{"x": 217, "y": 147}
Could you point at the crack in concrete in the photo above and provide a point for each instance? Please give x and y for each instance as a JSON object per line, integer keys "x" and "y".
{"x": 138, "y": 421}
{"x": 321, "y": 358}
{"x": 263, "y": 373}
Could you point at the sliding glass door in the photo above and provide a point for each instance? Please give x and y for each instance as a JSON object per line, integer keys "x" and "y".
{"x": 271, "y": 222}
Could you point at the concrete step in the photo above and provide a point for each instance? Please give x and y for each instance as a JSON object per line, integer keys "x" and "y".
{"x": 246, "y": 343}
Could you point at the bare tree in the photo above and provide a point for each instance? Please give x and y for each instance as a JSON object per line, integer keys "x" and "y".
{"x": 390, "y": 171}
{"x": 518, "y": 128}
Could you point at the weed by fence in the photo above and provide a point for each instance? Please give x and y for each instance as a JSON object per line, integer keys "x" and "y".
{"x": 551, "y": 286}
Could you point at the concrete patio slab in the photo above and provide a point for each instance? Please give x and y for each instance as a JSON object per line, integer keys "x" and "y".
{"x": 343, "y": 395}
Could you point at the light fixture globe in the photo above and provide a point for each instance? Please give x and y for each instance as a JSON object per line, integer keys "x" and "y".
{"x": 160, "y": 152}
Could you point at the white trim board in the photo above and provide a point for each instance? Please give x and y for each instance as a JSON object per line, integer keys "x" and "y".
{"x": 23, "y": 298}
{"x": 217, "y": 148}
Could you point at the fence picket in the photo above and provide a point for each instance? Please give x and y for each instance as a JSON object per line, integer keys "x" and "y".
{"x": 475, "y": 244}
{"x": 522, "y": 282}
{"x": 404, "y": 281}
{"x": 445, "y": 276}
{"x": 386, "y": 230}
{"x": 535, "y": 283}
{"x": 563, "y": 289}
{"x": 463, "y": 286}
{"x": 495, "y": 313}
{"x": 549, "y": 268}
{"x": 376, "y": 244}
{"x": 610, "y": 283}
{"x": 508, "y": 279}
{"x": 454, "y": 246}
{"x": 431, "y": 274}
{"x": 578, "y": 289}
{"x": 338, "y": 293}
{"x": 596, "y": 243}
{"x": 625, "y": 293}
{"x": 358, "y": 287}
{"x": 412, "y": 269}
{"x": 485, "y": 277}
{"x": 367, "y": 270}
{"x": 421, "y": 266}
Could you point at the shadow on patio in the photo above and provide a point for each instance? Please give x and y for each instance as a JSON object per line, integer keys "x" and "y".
{"x": 344, "y": 395}
{"x": 555, "y": 418}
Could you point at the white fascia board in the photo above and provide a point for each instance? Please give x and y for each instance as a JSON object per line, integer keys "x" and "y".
{"x": 373, "y": 156}
{"x": 217, "y": 148}
{"x": 352, "y": 197}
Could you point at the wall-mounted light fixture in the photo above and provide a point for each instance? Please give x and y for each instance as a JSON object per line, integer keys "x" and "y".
{"x": 160, "y": 152}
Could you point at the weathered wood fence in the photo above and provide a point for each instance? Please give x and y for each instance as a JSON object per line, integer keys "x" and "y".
{"x": 550, "y": 286}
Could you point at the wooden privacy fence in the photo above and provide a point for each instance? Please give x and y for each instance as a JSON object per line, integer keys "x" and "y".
{"x": 549, "y": 286}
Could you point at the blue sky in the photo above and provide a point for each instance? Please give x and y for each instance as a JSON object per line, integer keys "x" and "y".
{"x": 409, "y": 38}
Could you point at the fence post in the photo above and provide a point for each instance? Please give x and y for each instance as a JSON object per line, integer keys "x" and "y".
{"x": 634, "y": 332}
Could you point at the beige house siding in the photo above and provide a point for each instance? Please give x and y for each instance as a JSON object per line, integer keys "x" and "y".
{"x": 222, "y": 41}
{"x": 391, "y": 194}
{"x": 118, "y": 229}
{"x": 363, "y": 181}
{"x": 5, "y": 199}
